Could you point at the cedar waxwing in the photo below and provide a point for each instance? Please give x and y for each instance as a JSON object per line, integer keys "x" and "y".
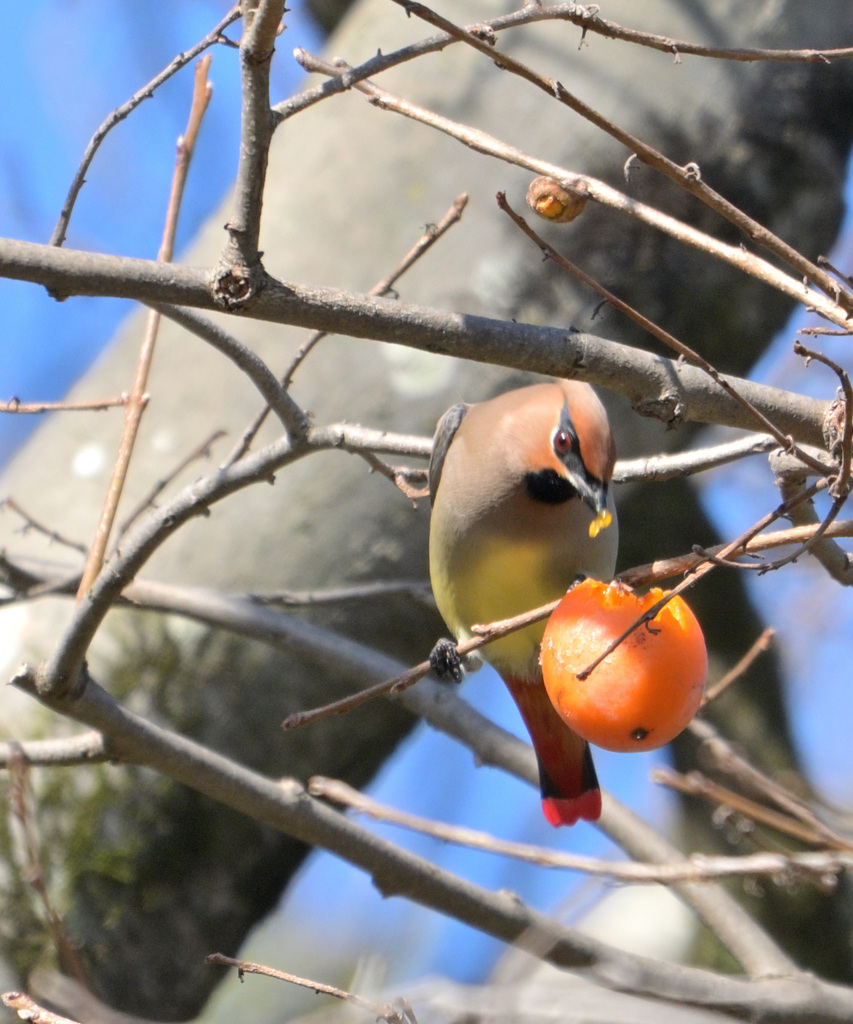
{"x": 516, "y": 483}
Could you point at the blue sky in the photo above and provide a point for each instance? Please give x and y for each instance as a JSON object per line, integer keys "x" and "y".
{"x": 57, "y": 82}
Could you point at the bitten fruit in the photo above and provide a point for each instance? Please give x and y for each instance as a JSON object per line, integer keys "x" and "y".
{"x": 646, "y": 691}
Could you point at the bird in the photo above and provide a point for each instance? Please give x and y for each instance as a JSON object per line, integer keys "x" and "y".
{"x": 522, "y": 508}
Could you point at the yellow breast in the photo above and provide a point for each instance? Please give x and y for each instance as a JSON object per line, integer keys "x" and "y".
{"x": 501, "y": 581}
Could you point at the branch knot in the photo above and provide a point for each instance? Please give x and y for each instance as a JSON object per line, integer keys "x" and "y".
{"x": 234, "y": 286}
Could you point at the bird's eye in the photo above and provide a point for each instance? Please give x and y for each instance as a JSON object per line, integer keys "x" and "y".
{"x": 563, "y": 441}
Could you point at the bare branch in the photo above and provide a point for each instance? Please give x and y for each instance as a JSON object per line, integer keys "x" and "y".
{"x": 741, "y": 668}
{"x": 666, "y": 389}
{"x": 726, "y": 759}
{"x": 587, "y": 18}
{"x": 411, "y": 482}
{"x": 697, "y": 868}
{"x": 490, "y": 744}
{"x": 30, "y": 1011}
{"x": 15, "y": 405}
{"x": 138, "y": 399}
{"x": 666, "y": 568}
{"x": 285, "y": 805}
{"x": 837, "y": 562}
{"x": 120, "y": 113}
{"x": 86, "y": 748}
{"x": 433, "y": 233}
{"x": 688, "y": 177}
{"x": 481, "y": 142}
{"x": 841, "y": 484}
{"x": 583, "y": 16}
{"x": 240, "y": 273}
{"x": 696, "y": 784}
{"x": 684, "y": 351}
{"x": 396, "y": 1012}
{"x": 30, "y": 523}
{"x": 658, "y": 468}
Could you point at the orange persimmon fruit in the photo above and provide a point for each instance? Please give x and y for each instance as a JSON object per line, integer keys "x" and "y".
{"x": 646, "y": 691}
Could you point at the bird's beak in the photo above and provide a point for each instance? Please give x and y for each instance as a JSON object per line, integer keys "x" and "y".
{"x": 594, "y": 494}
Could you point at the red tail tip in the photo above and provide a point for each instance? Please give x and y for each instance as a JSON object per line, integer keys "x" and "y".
{"x": 566, "y": 811}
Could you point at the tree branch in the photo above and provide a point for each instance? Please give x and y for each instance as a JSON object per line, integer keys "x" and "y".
{"x": 120, "y": 113}
{"x": 239, "y": 272}
{"x": 583, "y": 16}
{"x": 688, "y": 177}
{"x": 86, "y": 748}
{"x": 286, "y": 806}
{"x": 291, "y": 417}
{"x": 697, "y": 868}
{"x": 592, "y": 188}
{"x": 666, "y": 389}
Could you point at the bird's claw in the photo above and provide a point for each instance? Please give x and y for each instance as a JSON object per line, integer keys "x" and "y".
{"x": 445, "y": 662}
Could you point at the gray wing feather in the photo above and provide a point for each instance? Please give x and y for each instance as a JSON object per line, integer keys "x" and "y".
{"x": 444, "y": 434}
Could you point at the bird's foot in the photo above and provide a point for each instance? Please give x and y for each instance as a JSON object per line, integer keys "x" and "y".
{"x": 445, "y": 662}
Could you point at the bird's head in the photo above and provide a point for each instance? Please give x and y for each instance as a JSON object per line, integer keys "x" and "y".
{"x": 568, "y": 450}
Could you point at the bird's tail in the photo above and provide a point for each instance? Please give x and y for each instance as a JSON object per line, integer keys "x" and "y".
{"x": 566, "y": 773}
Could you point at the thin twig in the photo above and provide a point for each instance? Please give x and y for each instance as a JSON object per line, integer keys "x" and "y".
{"x": 239, "y": 273}
{"x": 401, "y": 477}
{"x": 30, "y": 523}
{"x": 119, "y": 114}
{"x": 725, "y": 759}
{"x": 398, "y": 683}
{"x": 832, "y": 331}
{"x": 202, "y": 451}
{"x": 688, "y": 177}
{"x": 668, "y": 568}
{"x": 396, "y": 1012}
{"x": 588, "y": 19}
{"x": 822, "y": 261}
{"x": 741, "y": 667}
{"x": 15, "y": 405}
{"x": 30, "y": 1011}
{"x": 432, "y": 234}
{"x": 137, "y": 400}
{"x": 841, "y": 485}
{"x": 658, "y": 332}
{"x": 697, "y": 868}
{"x": 481, "y": 142}
{"x": 33, "y": 870}
{"x": 696, "y": 784}
{"x": 791, "y": 481}
{"x": 808, "y": 545}
{"x": 658, "y": 468}
{"x": 737, "y": 546}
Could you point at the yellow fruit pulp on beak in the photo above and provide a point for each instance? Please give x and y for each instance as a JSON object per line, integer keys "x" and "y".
{"x": 601, "y": 522}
